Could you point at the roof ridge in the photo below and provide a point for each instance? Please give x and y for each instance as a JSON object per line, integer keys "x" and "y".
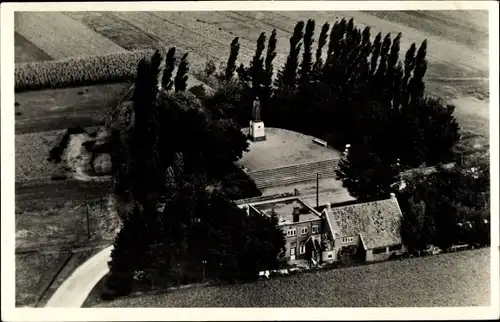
{"x": 361, "y": 203}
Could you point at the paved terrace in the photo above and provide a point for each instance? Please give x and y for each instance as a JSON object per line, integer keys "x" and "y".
{"x": 283, "y": 148}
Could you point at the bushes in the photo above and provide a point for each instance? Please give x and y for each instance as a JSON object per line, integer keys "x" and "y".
{"x": 236, "y": 184}
{"x": 79, "y": 71}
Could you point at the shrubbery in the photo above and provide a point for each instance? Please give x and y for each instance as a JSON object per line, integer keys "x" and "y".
{"x": 175, "y": 176}
{"x": 448, "y": 207}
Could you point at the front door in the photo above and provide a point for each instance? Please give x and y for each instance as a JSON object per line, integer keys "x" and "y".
{"x": 292, "y": 253}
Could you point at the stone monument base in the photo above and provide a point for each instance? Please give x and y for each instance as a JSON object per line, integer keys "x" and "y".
{"x": 257, "y": 131}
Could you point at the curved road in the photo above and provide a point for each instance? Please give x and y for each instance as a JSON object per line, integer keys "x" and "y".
{"x": 75, "y": 289}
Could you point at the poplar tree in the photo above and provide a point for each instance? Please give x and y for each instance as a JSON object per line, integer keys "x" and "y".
{"x": 393, "y": 59}
{"x": 333, "y": 39}
{"x": 409, "y": 66}
{"x": 306, "y": 64}
{"x": 377, "y": 45}
{"x": 156, "y": 70}
{"x": 231, "y": 62}
{"x": 287, "y": 77}
{"x": 417, "y": 84}
{"x": 267, "y": 79}
{"x": 393, "y": 76}
{"x": 318, "y": 64}
{"x": 257, "y": 64}
{"x": 169, "y": 69}
{"x": 140, "y": 96}
{"x": 182, "y": 74}
{"x": 335, "y": 45}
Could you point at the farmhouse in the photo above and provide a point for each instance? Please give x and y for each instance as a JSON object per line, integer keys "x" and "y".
{"x": 364, "y": 231}
{"x": 367, "y": 231}
{"x": 299, "y": 222}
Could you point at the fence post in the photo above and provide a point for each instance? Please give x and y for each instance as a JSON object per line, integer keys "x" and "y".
{"x": 204, "y": 262}
{"x": 317, "y": 190}
{"x": 88, "y": 220}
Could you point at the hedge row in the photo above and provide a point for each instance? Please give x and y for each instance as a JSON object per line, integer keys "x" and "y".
{"x": 78, "y": 71}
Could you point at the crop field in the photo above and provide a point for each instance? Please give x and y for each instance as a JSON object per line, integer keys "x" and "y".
{"x": 456, "y": 279}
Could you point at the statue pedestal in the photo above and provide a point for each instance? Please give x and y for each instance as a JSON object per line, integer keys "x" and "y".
{"x": 257, "y": 132}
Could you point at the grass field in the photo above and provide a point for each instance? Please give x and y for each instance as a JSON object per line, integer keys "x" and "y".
{"x": 49, "y": 223}
{"x": 68, "y": 37}
{"x": 457, "y": 279}
{"x": 55, "y": 109}
{"x": 34, "y": 271}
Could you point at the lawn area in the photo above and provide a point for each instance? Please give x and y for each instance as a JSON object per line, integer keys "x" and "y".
{"x": 457, "y": 279}
{"x": 58, "y": 220}
{"x": 55, "y": 109}
{"x": 34, "y": 272}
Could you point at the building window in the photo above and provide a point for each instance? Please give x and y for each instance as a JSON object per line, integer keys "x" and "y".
{"x": 291, "y": 232}
{"x": 395, "y": 248}
{"x": 379, "y": 250}
{"x": 347, "y": 240}
{"x": 293, "y": 249}
{"x": 315, "y": 229}
{"x": 303, "y": 230}
{"x": 302, "y": 248}
{"x": 330, "y": 256}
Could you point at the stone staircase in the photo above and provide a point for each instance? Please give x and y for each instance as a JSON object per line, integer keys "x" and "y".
{"x": 294, "y": 173}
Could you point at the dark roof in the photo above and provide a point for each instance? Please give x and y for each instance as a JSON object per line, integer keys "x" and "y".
{"x": 284, "y": 208}
{"x": 378, "y": 222}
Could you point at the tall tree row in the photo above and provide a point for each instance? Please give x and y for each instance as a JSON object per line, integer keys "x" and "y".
{"x": 287, "y": 76}
{"x": 359, "y": 93}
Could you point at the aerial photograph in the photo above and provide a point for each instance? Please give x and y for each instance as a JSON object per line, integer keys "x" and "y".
{"x": 252, "y": 159}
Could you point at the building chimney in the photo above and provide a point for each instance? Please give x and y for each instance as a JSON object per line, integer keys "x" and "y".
{"x": 296, "y": 214}
{"x": 328, "y": 206}
{"x": 393, "y": 195}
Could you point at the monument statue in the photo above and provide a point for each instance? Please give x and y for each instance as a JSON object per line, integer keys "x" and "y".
{"x": 256, "y": 110}
{"x": 256, "y": 130}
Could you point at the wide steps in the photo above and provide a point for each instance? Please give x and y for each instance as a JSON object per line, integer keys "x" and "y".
{"x": 294, "y": 173}
{"x": 311, "y": 166}
{"x": 323, "y": 172}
